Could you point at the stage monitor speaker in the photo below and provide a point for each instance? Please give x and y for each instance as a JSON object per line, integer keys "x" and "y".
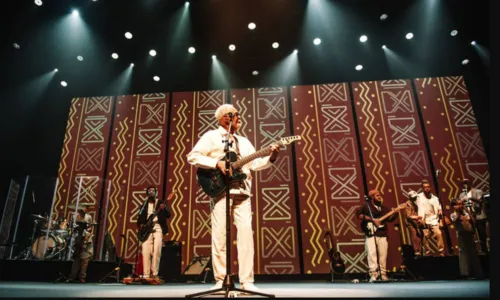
{"x": 170, "y": 262}
{"x": 197, "y": 265}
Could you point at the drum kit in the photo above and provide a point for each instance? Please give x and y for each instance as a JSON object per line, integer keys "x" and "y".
{"x": 51, "y": 239}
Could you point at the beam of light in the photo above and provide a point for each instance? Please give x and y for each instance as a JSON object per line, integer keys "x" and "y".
{"x": 121, "y": 84}
{"x": 398, "y": 66}
{"x": 181, "y": 37}
{"x": 484, "y": 54}
{"x": 285, "y": 72}
{"x": 219, "y": 75}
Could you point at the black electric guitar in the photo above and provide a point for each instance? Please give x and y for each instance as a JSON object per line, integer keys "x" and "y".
{"x": 337, "y": 266}
{"x": 147, "y": 229}
{"x": 212, "y": 181}
{"x": 369, "y": 227}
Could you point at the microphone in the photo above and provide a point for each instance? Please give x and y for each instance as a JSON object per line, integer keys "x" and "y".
{"x": 437, "y": 172}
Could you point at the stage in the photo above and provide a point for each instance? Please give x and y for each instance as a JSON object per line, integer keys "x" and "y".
{"x": 306, "y": 289}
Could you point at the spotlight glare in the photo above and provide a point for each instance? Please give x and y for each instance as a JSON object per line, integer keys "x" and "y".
{"x": 79, "y": 57}
{"x": 232, "y": 47}
{"x": 465, "y": 61}
{"x": 214, "y": 57}
{"x": 156, "y": 78}
{"x": 132, "y": 64}
{"x": 409, "y": 35}
{"x": 295, "y": 51}
{"x": 128, "y": 35}
{"x": 359, "y": 67}
{"x": 63, "y": 83}
{"x": 384, "y": 47}
{"x": 251, "y": 26}
{"x": 473, "y": 43}
{"x": 38, "y": 2}
{"x": 255, "y": 73}
{"x": 454, "y": 33}
{"x": 383, "y": 17}
{"x": 114, "y": 55}
{"x": 152, "y": 52}
{"x": 56, "y": 70}
{"x": 317, "y": 41}
{"x": 16, "y": 45}
{"x": 75, "y": 12}
{"x": 186, "y": 3}
{"x": 275, "y": 45}
{"x": 191, "y": 50}
{"x": 363, "y": 38}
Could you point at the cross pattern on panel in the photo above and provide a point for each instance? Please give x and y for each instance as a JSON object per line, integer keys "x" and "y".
{"x": 201, "y": 197}
{"x": 152, "y": 113}
{"x": 132, "y": 244}
{"x": 271, "y": 107}
{"x": 393, "y": 84}
{"x": 480, "y": 175}
{"x": 278, "y": 242}
{"x": 102, "y": 104}
{"x": 152, "y": 97}
{"x": 206, "y": 121}
{"x": 335, "y": 118}
{"x": 242, "y": 108}
{"x": 403, "y": 132}
{"x": 210, "y": 99}
{"x": 149, "y": 142}
{"x": 410, "y": 162}
{"x": 470, "y": 144}
{"x": 271, "y": 133}
{"x": 93, "y": 129}
{"x": 138, "y": 198}
{"x": 144, "y": 172}
{"x": 270, "y": 91}
{"x": 332, "y": 92}
{"x": 88, "y": 193}
{"x": 343, "y": 183}
{"x": 90, "y": 159}
{"x": 201, "y": 224}
{"x": 356, "y": 262}
{"x": 454, "y": 86}
{"x": 276, "y": 203}
{"x": 343, "y": 220}
{"x": 279, "y": 171}
{"x": 407, "y": 186}
{"x": 397, "y": 101}
{"x": 285, "y": 267}
{"x": 463, "y": 113}
{"x": 339, "y": 149}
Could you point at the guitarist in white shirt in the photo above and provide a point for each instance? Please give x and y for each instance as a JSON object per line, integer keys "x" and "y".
{"x": 431, "y": 212}
{"x": 207, "y": 154}
{"x": 151, "y": 247}
{"x": 369, "y": 213}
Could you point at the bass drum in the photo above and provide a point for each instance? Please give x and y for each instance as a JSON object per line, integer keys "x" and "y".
{"x": 55, "y": 245}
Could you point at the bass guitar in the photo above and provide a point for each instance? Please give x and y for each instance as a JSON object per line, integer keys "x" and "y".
{"x": 212, "y": 181}
{"x": 147, "y": 229}
{"x": 337, "y": 265}
{"x": 369, "y": 227}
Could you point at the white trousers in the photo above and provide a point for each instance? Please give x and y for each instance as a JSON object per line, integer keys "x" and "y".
{"x": 372, "y": 254}
{"x": 241, "y": 211}
{"x": 151, "y": 250}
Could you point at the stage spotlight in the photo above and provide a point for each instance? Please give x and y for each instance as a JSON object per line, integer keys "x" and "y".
{"x": 473, "y": 43}
{"x": 295, "y": 51}
{"x": 255, "y": 73}
{"x": 191, "y": 50}
{"x": 186, "y": 3}
{"x": 453, "y": 32}
{"x": 56, "y": 70}
{"x": 409, "y": 35}
{"x": 317, "y": 41}
{"x": 16, "y": 45}
{"x": 465, "y": 61}
{"x": 132, "y": 64}
{"x": 359, "y": 67}
{"x": 152, "y": 52}
{"x": 363, "y": 38}
{"x": 275, "y": 45}
{"x": 128, "y": 35}
{"x": 114, "y": 55}
{"x": 232, "y": 47}
{"x": 383, "y": 17}
{"x": 384, "y": 47}
{"x": 156, "y": 78}
{"x": 251, "y": 26}
{"x": 75, "y": 13}
{"x": 63, "y": 83}
{"x": 214, "y": 57}
{"x": 79, "y": 57}
{"x": 38, "y": 2}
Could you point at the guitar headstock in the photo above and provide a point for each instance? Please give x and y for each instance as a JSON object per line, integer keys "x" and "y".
{"x": 171, "y": 196}
{"x": 290, "y": 139}
{"x": 401, "y": 206}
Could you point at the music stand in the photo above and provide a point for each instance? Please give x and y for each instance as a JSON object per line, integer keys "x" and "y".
{"x": 228, "y": 283}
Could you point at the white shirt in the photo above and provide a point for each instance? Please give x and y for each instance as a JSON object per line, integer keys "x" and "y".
{"x": 428, "y": 208}
{"x": 210, "y": 149}
{"x": 151, "y": 210}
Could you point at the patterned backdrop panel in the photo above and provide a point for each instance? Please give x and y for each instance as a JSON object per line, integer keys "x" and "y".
{"x": 330, "y": 182}
{"x": 136, "y": 161}
{"x": 454, "y": 139}
{"x": 265, "y": 120}
{"x": 83, "y": 158}
{"x": 193, "y": 114}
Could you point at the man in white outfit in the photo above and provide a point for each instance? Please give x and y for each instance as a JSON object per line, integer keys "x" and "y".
{"x": 431, "y": 212}
{"x": 208, "y": 153}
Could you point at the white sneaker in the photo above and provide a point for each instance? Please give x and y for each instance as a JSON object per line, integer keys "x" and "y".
{"x": 249, "y": 286}
{"x": 217, "y": 285}
{"x": 372, "y": 279}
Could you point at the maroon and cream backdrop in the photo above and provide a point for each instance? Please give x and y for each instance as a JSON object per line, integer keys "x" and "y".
{"x": 350, "y": 143}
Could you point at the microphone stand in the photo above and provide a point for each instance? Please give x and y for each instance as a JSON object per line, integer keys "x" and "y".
{"x": 375, "y": 240}
{"x": 469, "y": 203}
{"x": 228, "y": 284}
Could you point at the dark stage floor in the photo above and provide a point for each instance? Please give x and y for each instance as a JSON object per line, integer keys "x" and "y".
{"x": 423, "y": 289}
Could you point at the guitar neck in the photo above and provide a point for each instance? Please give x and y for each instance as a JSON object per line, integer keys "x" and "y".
{"x": 261, "y": 153}
{"x": 387, "y": 215}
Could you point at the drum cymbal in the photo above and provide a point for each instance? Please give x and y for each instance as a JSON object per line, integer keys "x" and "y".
{"x": 39, "y": 217}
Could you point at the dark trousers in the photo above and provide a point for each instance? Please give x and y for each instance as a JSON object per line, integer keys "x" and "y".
{"x": 416, "y": 235}
{"x": 481, "y": 230}
{"x": 79, "y": 264}
{"x": 470, "y": 265}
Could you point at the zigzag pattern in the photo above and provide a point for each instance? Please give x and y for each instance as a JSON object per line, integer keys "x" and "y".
{"x": 453, "y": 189}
